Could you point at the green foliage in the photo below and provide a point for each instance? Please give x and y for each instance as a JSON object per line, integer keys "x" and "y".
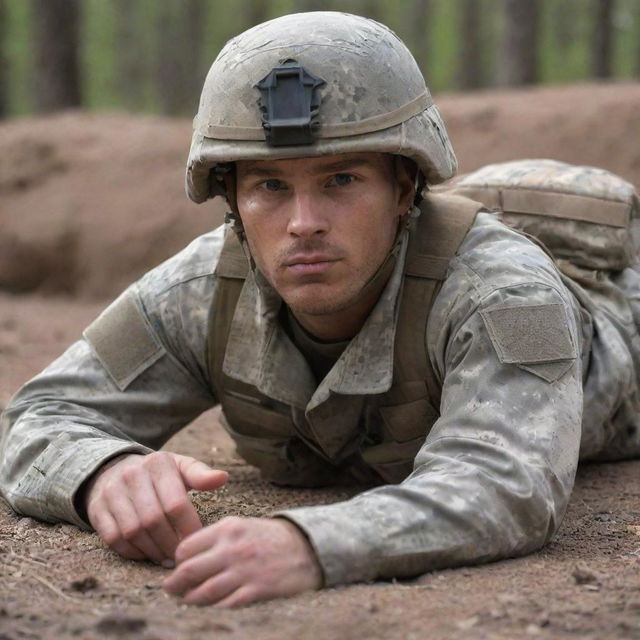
{"x": 564, "y": 53}
{"x": 96, "y": 53}
{"x": 627, "y": 24}
{"x": 19, "y": 58}
{"x": 440, "y": 68}
{"x": 564, "y": 50}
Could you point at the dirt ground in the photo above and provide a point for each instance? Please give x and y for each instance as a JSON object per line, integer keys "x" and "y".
{"x": 89, "y": 202}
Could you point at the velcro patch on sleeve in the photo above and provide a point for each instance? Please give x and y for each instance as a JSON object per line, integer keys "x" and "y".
{"x": 123, "y": 340}
{"x": 536, "y": 337}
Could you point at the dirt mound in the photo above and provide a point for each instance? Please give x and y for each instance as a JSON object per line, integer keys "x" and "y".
{"x": 90, "y": 202}
{"x": 597, "y": 124}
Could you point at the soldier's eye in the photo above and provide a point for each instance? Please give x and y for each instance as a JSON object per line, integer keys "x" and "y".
{"x": 343, "y": 179}
{"x": 273, "y": 185}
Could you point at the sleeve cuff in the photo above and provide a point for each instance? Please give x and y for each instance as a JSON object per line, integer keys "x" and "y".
{"x": 48, "y": 489}
{"x": 339, "y": 541}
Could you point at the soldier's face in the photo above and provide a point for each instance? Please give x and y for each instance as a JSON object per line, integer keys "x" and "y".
{"x": 319, "y": 228}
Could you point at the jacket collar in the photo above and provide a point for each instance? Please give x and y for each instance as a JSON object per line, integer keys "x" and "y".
{"x": 260, "y": 353}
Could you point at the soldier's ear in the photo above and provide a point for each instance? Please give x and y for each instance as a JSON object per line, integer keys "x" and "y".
{"x": 229, "y": 179}
{"x": 406, "y": 175}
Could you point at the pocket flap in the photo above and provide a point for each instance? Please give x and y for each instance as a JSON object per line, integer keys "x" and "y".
{"x": 409, "y": 420}
{"x": 388, "y": 452}
{"x": 249, "y": 417}
{"x": 393, "y": 461}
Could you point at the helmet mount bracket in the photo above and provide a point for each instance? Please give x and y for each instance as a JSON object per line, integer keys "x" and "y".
{"x": 289, "y": 104}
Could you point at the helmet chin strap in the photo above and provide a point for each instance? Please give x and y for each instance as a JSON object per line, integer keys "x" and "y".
{"x": 226, "y": 174}
{"x": 384, "y": 270}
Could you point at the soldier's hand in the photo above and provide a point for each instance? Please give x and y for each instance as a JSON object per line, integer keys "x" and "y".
{"x": 240, "y": 560}
{"x": 140, "y": 507}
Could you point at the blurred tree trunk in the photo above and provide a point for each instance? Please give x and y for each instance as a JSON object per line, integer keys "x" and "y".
{"x": 257, "y": 12}
{"x": 564, "y": 24}
{"x": 470, "y": 72}
{"x": 196, "y": 13}
{"x": 178, "y": 54}
{"x": 417, "y": 26}
{"x": 130, "y": 71}
{"x": 602, "y": 38}
{"x": 371, "y": 9}
{"x": 520, "y": 44}
{"x": 637, "y": 25}
{"x": 309, "y": 5}
{"x": 4, "y": 87}
{"x": 56, "y": 38}
{"x": 169, "y": 57}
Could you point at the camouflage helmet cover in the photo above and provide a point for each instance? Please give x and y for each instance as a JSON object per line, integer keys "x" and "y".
{"x": 372, "y": 97}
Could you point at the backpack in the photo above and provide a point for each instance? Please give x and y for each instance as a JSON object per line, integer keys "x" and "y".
{"x": 585, "y": 216}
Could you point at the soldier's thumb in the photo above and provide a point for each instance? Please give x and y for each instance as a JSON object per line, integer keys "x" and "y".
{"x": 198, "y": 475}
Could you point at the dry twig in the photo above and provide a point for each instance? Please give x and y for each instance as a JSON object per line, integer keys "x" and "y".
{"x": 53, "y": 588}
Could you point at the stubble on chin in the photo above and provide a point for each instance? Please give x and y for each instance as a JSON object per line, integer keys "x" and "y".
{"x": 325, "y": 301}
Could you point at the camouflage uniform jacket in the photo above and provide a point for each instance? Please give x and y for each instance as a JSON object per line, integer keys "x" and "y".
{"x": 494, "y": 475}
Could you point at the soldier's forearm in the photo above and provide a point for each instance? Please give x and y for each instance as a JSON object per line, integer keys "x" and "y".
{"x": 451, "y": 512}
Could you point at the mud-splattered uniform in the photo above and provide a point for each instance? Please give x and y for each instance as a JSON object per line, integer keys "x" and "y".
{"x": 495, "y": 472}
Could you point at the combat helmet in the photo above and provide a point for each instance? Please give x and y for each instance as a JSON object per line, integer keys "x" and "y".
{"x": 311, "y": 84}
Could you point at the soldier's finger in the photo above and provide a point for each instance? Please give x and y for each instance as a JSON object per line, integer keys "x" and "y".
{"x": 198, "y": 475}
{"x": 193, "y": 573}
{"x": 107, "y": 528}
{"x": 239, "y": 598}
{"x": 152, "y": 516}
{"x": 214, "y": 590}
{"x": 230, "y": 528}
{"x": 127, "y": 550}
{"x": 175, "y": 501}
{"x": 197, "y": 543}
{"x": 130, "y": 527}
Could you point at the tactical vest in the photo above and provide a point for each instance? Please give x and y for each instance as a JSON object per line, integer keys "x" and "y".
{"x": 390, "y": 427}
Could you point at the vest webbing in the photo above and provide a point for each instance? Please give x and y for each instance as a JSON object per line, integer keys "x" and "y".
{"x": 434, "y": 238}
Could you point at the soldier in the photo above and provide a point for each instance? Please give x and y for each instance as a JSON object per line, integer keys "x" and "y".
{"x": 356, "y": 327}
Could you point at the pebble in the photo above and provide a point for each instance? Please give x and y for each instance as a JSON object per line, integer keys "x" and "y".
{"x": 118, "y": 623}
{"x": 26, "y": 523}
{"x": 464, "y": 625}
{"x": 88, "y": 583}
{"x": 584, "y": 575}
{"x": 633, "y": 605}
{"x": 507, "y": 598}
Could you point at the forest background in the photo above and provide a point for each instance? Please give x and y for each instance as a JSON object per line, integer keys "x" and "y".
{"x": 152, "y": 56}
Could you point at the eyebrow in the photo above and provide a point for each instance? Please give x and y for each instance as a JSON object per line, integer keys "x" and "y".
{"x": 336, "y": 166}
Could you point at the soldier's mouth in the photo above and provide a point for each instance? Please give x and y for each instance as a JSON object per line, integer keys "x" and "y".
{"x": 310, "y": 263}
{"x": 304, "y": 268}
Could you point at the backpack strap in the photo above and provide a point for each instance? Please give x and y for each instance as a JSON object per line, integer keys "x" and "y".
{"x": 439, "y": 231}
{"x": 231, "y": 271}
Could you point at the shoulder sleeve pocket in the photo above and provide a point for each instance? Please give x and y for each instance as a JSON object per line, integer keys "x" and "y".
{"x": 534, "y": 337}
{"x": 123, "y": 341}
